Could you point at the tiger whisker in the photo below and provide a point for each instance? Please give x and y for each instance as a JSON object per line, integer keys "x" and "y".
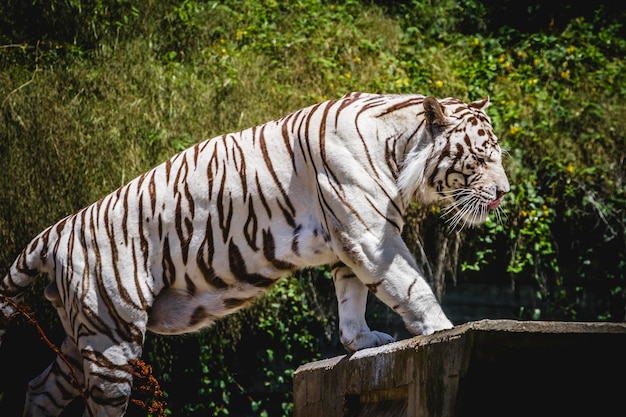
{"x": 467, "y": 209}
{"x": 460, "y": 198}
{"x": 500, "y": 215}
{"x": 461, "y": 214}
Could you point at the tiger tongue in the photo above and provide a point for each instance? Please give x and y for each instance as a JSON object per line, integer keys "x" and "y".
{"x": 493, "y": 204}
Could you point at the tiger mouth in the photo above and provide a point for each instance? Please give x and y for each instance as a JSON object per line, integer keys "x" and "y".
{"x": 494, "y": 204}
{"x": 468, "y": 209}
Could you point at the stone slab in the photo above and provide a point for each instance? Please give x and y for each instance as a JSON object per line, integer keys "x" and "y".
{"x": 482, "y": 368}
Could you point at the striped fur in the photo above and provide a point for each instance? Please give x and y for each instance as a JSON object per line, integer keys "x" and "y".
{"x": 208, "y": 231}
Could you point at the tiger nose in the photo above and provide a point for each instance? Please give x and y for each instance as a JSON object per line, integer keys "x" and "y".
{"x": 502, "y": 189}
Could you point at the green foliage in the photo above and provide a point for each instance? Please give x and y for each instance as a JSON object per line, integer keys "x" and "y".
{"x": 570, "y": 177}
{"x": 94, "y": 93}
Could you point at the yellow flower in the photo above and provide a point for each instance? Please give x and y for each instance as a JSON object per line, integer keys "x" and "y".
{"x": 501, "y": 58}
{"x": 439, "y": 83}
{"x": 571, "y": 49}
{"x": 570, "y": 169}
{"x": 565, "y": 74}
{"x": 348, "y": 75}
{"x": 402, "y": 81}
{"x": 514, "y": 130}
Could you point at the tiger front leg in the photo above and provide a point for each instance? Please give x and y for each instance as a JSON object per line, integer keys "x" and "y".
{"x": 354, "y": 332}
{"x": 387, "y": 268}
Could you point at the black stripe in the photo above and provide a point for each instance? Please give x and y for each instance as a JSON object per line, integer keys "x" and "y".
{"x": 238, "y": 268}
{"x": 269, "y": 251}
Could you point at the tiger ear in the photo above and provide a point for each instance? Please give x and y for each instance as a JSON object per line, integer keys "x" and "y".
{"x": 481, "y": 104}
{"x": 434, "y": 112}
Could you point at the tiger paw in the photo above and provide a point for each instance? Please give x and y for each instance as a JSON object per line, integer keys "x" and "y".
{"x": 366, "y": 340}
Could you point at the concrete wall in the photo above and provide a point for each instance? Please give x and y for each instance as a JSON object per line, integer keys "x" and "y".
{"x": 484, "y": 368}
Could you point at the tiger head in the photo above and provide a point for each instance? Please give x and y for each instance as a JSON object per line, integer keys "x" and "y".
{"x": 461, "y": 161}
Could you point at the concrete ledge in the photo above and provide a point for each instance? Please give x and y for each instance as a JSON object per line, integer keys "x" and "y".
{"x": 483, "y": 368}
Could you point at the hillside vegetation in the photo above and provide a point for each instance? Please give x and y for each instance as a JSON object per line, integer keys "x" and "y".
{"x": 93, "y": 94}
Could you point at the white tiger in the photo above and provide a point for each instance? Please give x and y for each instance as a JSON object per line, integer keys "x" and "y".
{"x": 208, "y": 231}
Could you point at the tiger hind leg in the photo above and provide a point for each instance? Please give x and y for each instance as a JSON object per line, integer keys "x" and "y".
{"x": 50, "y": 392}
{"x": 101, "y": 371}
{"x": 109, "y": 370}
{"x": 354, "y": 332}
{"x": 108, "y": 376}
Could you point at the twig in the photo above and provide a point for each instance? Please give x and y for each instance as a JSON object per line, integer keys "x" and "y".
{"x": 32, "y": 79}
{"x": 13, "y": 45}
{"x": 143, "y": 372}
